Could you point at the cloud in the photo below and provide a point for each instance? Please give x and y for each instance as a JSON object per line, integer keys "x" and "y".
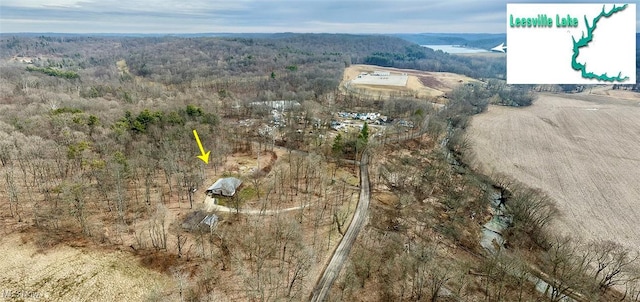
{"x": 197, "y": 16}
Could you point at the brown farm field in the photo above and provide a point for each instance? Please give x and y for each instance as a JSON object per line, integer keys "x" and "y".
{"x": 420, "y": 84}
{"x": 583, "y": 150}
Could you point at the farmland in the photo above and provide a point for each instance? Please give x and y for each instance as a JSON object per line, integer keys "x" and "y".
{"x": 582, "y": 150}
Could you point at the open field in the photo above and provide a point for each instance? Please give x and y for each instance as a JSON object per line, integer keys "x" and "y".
{"x": 421, "y": 84}
{"x": 583, "y": 150}
{"x": 65, "y": 273}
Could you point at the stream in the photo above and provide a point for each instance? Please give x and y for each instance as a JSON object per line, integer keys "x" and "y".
{"x": 492, "y": 231}
{"x": 493, "y": 242}
{"x": 492, "y": 239}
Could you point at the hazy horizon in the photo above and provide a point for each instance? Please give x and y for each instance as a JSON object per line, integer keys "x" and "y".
{"x": 245, "y": 33}
{"x": 255, "y": 17}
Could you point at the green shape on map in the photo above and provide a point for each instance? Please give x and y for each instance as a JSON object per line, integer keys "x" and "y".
{"x": 584, "y": 41}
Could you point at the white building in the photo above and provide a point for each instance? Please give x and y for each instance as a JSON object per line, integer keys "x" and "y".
{"x": 381, "y": 73}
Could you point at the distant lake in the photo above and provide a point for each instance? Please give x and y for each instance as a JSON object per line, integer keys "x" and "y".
{"x": 455, "y": 48}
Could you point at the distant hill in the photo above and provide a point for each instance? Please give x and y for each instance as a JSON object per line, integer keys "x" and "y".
{"x": 154, "y": 35}
{"x": 484, "y": 41}
{"x": 389, "y": 50}
{"x": 141, "y": 53}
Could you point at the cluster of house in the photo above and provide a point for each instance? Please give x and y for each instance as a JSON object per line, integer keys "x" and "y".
{"x": 373, "y": 118}
{"x": 335, "y": 125}
{"x": 370, "y": 116}
{"x": 267, "y": 131}
{"x": 246, "y": 123}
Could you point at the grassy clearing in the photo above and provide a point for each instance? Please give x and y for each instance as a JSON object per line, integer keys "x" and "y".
{"x": 65, "y": 273}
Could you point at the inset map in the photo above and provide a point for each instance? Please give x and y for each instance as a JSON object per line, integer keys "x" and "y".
{"x": 571, "y": 43}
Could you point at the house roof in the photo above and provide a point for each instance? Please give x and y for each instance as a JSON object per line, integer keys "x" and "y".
{"x": 210, "y": 220}
{"x": 225, "y": 186}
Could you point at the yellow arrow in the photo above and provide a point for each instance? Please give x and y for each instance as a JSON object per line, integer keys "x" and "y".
{"x": 203, "y": 156}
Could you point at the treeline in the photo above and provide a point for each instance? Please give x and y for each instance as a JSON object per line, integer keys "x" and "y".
{"x": 598, "y": 270}
{"x": 189, "y": 58}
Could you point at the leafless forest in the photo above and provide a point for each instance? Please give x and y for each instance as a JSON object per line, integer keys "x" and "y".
{"x": 98, "y": 158}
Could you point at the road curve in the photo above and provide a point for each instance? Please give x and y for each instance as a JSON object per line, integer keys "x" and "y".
{"x": 332, "y": 270}
{"x": 210, "y": 206}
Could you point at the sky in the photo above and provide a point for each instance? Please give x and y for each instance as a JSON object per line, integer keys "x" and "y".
{"x": 258, "y": 16}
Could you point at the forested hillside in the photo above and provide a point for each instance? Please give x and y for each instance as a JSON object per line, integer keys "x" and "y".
{"x": 98, "y": 149}
{"x": 97, "y": 145}
{"x": 342, "y": 48}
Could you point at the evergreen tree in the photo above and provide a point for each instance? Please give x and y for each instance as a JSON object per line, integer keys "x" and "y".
{"x": 338, "y": 145}
{"x": 364, "y": 133}
{"x": 363, "y": 138}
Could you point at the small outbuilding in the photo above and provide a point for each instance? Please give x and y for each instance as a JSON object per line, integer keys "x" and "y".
{"x": 211, "y": 220}
{"x": 224, "y": 186}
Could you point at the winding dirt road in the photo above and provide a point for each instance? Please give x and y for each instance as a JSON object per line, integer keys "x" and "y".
{"x": 331, "y": 272}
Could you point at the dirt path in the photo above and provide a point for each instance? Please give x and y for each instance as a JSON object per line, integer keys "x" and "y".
{"x": 333, "y": 268}
{"x": 331, "y": 272}
{"x": 210, "y": 206}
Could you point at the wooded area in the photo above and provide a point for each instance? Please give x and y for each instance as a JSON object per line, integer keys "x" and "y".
{"x": 96, "y": 142}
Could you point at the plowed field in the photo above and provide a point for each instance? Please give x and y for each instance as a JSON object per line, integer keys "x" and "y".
{"x": 583, "y": 150}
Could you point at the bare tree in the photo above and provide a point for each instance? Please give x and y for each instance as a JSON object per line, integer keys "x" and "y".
{"x": 206, "y": 282}
{"x": 157, "y": 228}
{"x": 75, "y": 196}
{"x": 567, "y": 268}
{"x": 12, "y": 191}
{"x": 532, "y": 211}
{"x": 611, "y": 263}
{"x": 182, "y": 281}
{"x": 632, "y": 286}
{"x": 298, "y": 262}
{"x": 256, "y": 179}
{"x": 180, "y": 239}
